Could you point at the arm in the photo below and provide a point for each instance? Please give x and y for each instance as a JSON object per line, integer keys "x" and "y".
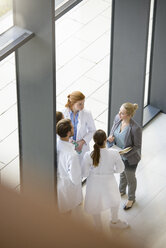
{"x": 80, "y": 145}
{"x": 110, "y": 139}
{"x": 86, "y": 165}
{"x": 136, "y": 136}
{"x": 119, "y": 165}
{"x": 74, "y": 169}
{"x": 90, "y": 128}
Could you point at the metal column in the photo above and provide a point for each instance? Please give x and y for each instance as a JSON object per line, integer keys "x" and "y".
{"x": 158, "y": 66}
{"x": 35, "y": 72}
{"x": 130, "y": 19}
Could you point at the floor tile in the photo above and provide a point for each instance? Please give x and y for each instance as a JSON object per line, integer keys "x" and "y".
{"x": 9, "y": 148}
{"x": 95, "y": 107}
{"x": 85, "y": 13}
{"x": 64, "y": 52}
{"x": 102, "y": 94}
{"x": 85, "y": 85}
{"x": 100, "y": 72}
{"x": 101, "y": 125}
{"x": 6, "y": 22}
{"x": 98, "y": 49}
{"x": 157, "y": 163}
{"x": 72, "y": 72}
{"x": 78, "y": 6}
{"x": 150, "y": 223}
{"x": 107, "y": 13}
{"x": 7, "y": 97}
{"x": 66, "y": 29}
{"x": 12, "y": 59}
{"x": 59, "y": 106}
{"x": 94, "y": 29}
{"x": 1, "y": 165}
{"x": 10, "y": 175}
{"x": 103, "y": 117}
{"x": 108, "y": 1}
{"x": 7, "y": 72}
{"x": 8, "y": 122}
{"x": 149, "y": 184}
{"x": 17, "y": 189}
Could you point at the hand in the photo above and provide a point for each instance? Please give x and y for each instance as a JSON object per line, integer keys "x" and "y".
{"x": 110, "y": 139}
{"x": 80, "y": 145}
{"x": 71, "y": 140}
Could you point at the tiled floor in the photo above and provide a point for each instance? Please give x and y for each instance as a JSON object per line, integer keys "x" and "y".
{"x": 82, "y": 45}
{"x": 147, "y": 217}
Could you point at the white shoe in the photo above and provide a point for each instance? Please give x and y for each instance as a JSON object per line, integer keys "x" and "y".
{"x": 119, "y": 224}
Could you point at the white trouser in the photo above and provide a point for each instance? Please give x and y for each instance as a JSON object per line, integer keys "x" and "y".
{"x": 114, "y": 216}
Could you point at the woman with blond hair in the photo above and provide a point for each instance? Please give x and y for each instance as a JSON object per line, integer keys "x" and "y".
{"x": 126, "y": 132}
{"x": 82, "y": 120}
{"x": 102, "y": 191}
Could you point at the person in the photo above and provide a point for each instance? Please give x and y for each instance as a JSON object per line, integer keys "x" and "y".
{"x": 126, "y": 132}
{"x": 82, "y": 120}
{"x": 31, "y": 221}
{"x": 69, "y": 187}
{"x": 102, "y": 190}
{"x": 59, "y": 116}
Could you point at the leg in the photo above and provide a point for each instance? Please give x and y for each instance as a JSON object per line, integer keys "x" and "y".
{"x": 97, "y": 221}
{"x": 114, "y": 214}
{"x": 123, "y": 183}
{"x": 131, "y": 180}
{"x": 115, "y": 222}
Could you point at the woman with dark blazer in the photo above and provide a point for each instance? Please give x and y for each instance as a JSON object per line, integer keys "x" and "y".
{"x": 126, "y": 132}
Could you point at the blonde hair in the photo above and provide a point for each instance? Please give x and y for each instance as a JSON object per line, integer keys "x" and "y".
{"x": 99, "y": 137}
{"x": 74, "y": 97}
{"x": 130, "y": 108}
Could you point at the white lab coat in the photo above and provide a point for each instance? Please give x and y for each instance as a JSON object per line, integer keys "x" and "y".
{"x": 101, "y": 187}
{"x": 69, "y": 177}
{"x": 85, "y": 128}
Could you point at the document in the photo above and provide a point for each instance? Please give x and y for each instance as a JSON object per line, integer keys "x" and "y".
{"x": 120, "y": 150}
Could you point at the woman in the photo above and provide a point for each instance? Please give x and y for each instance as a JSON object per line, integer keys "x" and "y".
{"x": 127, "y": 133}
{"x": 102, "y": 190}
{"x": 59, "y": 116}
{"x": 82, "y": 121}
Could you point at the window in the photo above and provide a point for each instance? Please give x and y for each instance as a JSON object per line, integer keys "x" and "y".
{"x": 146, "y": 95}
{"x": 6, "y": 15}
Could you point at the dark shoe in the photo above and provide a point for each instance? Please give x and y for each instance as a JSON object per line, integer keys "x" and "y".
{"x": 128, "y": 206}
{"x": 122, "y": 193}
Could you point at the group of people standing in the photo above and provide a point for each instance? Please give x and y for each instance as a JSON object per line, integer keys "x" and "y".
{"x": 75, "y": 128}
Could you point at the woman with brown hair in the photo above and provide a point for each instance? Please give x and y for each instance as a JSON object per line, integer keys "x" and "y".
{"x": 59, "y": 116}
{"x": 126, "y": 132}
{"x": 102, "y": 191}
{"x": 82, "y": 121}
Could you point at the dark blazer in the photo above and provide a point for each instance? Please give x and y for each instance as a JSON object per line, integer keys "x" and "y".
{"x": 133, "y": 138}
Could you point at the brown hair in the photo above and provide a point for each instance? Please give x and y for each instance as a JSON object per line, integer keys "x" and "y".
{"x": 74, "y": 97}
{"x": 63, "y": 127}
{"x": 59, "y": 116}
{"x": 130, "y": 108}
{"x": 99, "y": 137}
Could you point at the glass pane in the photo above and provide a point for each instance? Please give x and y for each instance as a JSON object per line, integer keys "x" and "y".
{"x": 6, "y": 15}
{"x": 59, "y": 3}
{"x": 9, "y": 148}
{"x": 146, "y": 94}
{"x": 83, "y": 55}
